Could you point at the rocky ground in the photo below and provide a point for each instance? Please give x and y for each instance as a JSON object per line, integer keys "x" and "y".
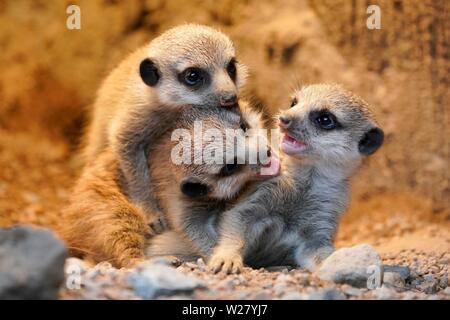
{"x": 409, "y": 275}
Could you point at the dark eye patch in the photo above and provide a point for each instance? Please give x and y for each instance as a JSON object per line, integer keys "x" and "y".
{"x": 149, "y": 72}
{"x": 194, "y": 189}
{"x": 324, "y": 119}
{"x": 294, "y": 102}
{"x": 231, "y": 69}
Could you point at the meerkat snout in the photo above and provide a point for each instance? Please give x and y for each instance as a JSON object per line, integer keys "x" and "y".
{"x": 228, "y": 99}
{"x": 284, "y": 121}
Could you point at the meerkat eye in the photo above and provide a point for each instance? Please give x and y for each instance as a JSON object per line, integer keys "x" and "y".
{"x": 326, "y": 120}
{"x": 192, "y": 77}
{"x": 231, "y": 69}
{"x": 294, "y": 102}
{"x": 243, "y": 126}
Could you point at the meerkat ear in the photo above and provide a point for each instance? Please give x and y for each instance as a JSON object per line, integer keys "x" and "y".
{"x": 149, "y": 72}
{"x": 193, "y": 188}
{"x": 371, "y": 141}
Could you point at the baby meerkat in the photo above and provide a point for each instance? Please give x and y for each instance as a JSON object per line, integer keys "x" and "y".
{"x": 102, "y": 223}
{"x": 186, "y": 67}
{"x": 292, "y": 219}
{"x": 193, "y": 195}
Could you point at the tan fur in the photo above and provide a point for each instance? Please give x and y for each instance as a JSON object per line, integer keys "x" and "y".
{"x": 100, "y": 221}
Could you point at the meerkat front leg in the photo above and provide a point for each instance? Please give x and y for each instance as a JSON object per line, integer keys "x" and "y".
{"x": 132, "y": 140}
{"x": 100, "y": 221}
{"x": 227, "y": 255}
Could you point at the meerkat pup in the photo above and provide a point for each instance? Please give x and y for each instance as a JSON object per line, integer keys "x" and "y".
{"x": 291, "y": 219}
{"x": 187, "y": 66}
{"x": 102, "y": 222}
{"x": 193, "y": 195}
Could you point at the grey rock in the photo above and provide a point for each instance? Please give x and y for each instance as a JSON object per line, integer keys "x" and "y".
{"x": 327, "y": 294}
{"x": 153, "y": 280}
{"x": 429, "y": 277}
{"x": 283, "y": 269}
{"x": 294, "y": 295}
{"x": 429, "y": 287}
{"x": 352, "y": 291}
{"x": 443, "y": 283}
{"x": 393, "y": 279}
{"x": 268, "y": 285}
{"x": 227, "y": 284}
{"x": 350, "y": 265}
{"x": 31, "y": 263}
{"x": 262, "y": 296}
{"x": 446, "y": 291}
{"x": 403, "y": 271}
{"x": 279, "y": 288}
{"x": 384, "y": 293}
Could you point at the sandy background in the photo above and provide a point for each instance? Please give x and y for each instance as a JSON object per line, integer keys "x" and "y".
{"x": 401, "y": 196}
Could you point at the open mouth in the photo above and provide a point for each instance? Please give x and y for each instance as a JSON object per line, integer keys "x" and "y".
{"x": 271, "y": 168}
{"x": 290, "y": 145}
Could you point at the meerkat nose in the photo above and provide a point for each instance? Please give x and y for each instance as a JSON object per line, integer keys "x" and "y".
{"x": 285, "y": 121}
{"x": 227, "y": 100}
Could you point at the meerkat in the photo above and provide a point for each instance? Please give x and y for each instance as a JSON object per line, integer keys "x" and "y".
{"x": 192, "y": 196}
{"x": 185, "y": 67}
{"x": 292, "y": 219}
{"x": 102, "y": 223}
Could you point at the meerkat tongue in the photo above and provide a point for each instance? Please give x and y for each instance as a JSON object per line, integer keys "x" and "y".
{"x": 272, "y": 168}
{"x": 291, "y": 145}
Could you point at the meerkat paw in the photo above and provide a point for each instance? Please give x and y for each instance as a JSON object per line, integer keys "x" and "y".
{"x": 157, "y": 226}
{"x": 226, "y": 262}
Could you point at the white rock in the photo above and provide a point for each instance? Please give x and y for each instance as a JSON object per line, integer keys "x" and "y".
{"x": 156, "y": 280}
{"x": 350, "y": 265}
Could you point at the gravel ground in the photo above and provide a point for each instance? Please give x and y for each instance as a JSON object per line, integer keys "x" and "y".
{"x": 428, "y": 279}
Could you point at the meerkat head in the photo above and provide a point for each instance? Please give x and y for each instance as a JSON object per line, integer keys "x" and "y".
{"x": 192, "y": 65}
{"x": 329, "y": 125}
{"x": 225, "y": 169}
